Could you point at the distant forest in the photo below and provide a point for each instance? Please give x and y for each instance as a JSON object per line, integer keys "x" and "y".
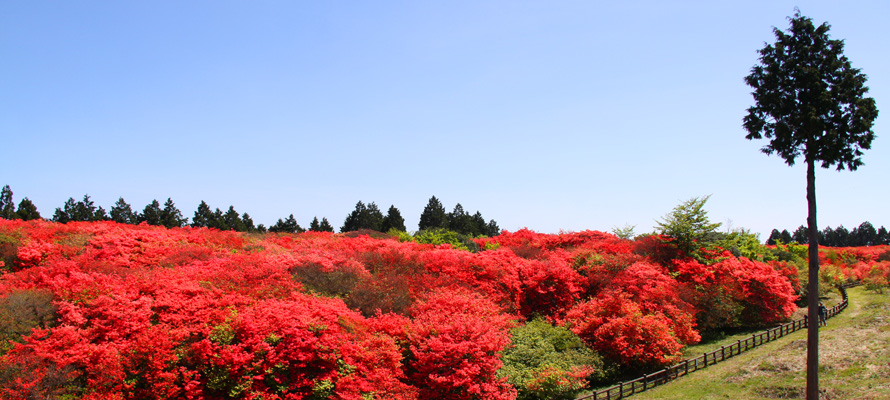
{"x": 363, "y": 217}
{"x": 863, "y": 235}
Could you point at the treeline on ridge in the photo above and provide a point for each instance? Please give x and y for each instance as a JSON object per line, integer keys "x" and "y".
{"x": 434, "y": 218}
{"x": 863, "y": 235}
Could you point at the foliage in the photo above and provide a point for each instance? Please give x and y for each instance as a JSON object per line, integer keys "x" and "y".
{"x": 22, "y": 311}
{"x": 809, "y": 99}
{"x": 743, "y": 243}
{"x": 27, "y": 210}
{"x": 444, "y": 236}
{"x": 545, "y": 361}
{"x": 689, "y": 225}
{"x": 121, "y": 212}
{"x": 146, "y": 311}
{"x": 323, "y": 226}
{"x": 363, "y": 217}
{"x": 7, "y": 206}
{"x": 84, "y": 210}
{"x": 288, "y": 225}
{"x": 393, "y": 220}
{"x": 433, "y": 216}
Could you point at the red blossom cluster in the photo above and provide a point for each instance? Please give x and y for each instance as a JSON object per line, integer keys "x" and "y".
{"x": 147, "y": 312}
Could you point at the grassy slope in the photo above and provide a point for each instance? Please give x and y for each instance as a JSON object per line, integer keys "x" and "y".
{"x": 854, "y": 354}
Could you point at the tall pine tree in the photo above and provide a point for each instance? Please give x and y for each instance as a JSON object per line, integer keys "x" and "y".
{"x": 121, "y": 212}
{"x": 433, "y": 215}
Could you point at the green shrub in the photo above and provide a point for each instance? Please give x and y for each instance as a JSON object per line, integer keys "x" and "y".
{"x": 334, "y": 283}
{"x": 23, "y": 310}
{"x": 439, "y": 236}
{"x": 548, "y": 362}
{"x": 9, "y": 249}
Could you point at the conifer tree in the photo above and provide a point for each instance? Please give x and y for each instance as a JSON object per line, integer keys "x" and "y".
{"x": 461, "y": 222}
{"x": 363, "y": 217}
{"x": 492, "y": 229}
{"x": 314, "y": 225}
{"x": 433, "y": 215}
{"x": 393, "y": 220}
{"x": 122, "y": 213}
{"x": 288, "y": 225}
{"x": 171, "y": 217}
{"x": 325, "y": 226}
{"x": 800, "y": 235}
{"x": 7, "y": 206}
{"x": 151, "y": 214}
{"x": 27, "y": 210}
{"x": 479, "y": 227}
{"x": 810, "y": 102}
{"x": 233, "y": 221}
{"x": 65, "y": 213}
{"x": 85, "y": 210}
{"x": 203, "y": 216}
{"x": 773, "y": 236}
{"x": 248, "y": 223}
{"x": 785, "y": 237}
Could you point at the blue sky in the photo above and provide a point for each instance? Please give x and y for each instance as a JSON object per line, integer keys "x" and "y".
{"x": 554, "y": 116}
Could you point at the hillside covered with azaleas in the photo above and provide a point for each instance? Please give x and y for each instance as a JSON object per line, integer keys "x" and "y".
{"x": 100, "y": 310}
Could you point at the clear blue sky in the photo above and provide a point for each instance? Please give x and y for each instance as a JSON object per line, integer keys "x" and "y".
{"x": 554, "y": 116}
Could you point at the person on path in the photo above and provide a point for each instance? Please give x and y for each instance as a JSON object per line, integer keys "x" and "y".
{"x": 823, "y": 315}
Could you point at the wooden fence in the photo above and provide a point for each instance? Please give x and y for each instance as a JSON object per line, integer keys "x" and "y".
{"x": 628, "y": 388}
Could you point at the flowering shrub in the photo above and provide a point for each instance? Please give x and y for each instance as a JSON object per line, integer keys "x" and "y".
{"x": 147, "y": 312}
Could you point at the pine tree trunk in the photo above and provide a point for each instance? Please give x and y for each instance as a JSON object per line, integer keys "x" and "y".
{"x": 813, "y": 287}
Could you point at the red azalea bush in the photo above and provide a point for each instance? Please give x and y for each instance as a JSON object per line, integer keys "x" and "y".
{"x": 147, "y": 312}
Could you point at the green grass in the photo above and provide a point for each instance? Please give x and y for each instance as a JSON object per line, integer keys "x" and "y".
{"x": 854, "y": 352}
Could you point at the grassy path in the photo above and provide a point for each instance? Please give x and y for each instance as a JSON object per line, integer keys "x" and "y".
{"x": 854, "y": 354}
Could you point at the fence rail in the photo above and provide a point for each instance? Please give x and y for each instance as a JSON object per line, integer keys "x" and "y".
{"x": 648, "y": 381}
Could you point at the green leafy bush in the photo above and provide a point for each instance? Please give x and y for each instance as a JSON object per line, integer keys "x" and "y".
{"x": 439, "y": 236}
{"x": 23, "y": 310}
{"x": 548, "y": 362}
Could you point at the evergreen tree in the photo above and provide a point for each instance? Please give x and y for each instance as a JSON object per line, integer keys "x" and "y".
{"x": 864, "y": 235}
{"x": 492, "y": 229}
{"x": 218, "y": 221}
{"x": 122, "y": 213}
{"x": 85, "y": 210}
{"x": 100, "y": 214}
{"x": 393, "y": 220}
{"x": 261, "y": 228}
{"x": 459, "y": 221}
{"x": 801, "y": 235}
{"x": 785, "y": 236}
{"x": 248, "y": 223}
{"x": 233, "y": 220}
{"x": 314, "y": 225}
{"x": 7, "y": 206}
{"x": 325, "y": 226}
{"x": 65, "y": 214}
{"x": 433, "y": 215}
{"x": 373, "y": 219}
{"x": 203, "y": 216}
{"x": 479, "y": 227}
{"x": 27, "y": 210}
{"x": 171, "y": 217}
{"x": 353, "y": 220}
{"x": 810, "y": 102}
{"x": 151, "y": 214}
{"x": 288, "y": 225}
{"x": 883, "y": 237}
{"x": 363, "y": 217}
{"x": 773, "y": 236}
